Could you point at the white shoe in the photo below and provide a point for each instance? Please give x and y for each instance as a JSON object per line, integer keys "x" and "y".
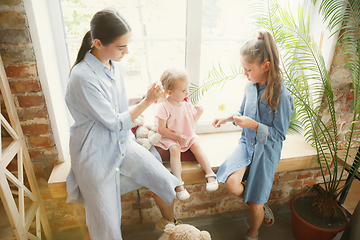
{"x": 182, "y": 195}
{"x": 211, "y": 186}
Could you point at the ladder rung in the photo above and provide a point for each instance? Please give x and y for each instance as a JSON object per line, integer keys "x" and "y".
{"x": 9, "y": 153}
{"x": 30, "y": 214}
{"x": 18, "y": 184}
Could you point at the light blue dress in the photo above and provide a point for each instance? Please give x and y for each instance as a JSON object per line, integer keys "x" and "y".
{"x": 259, "y": 150}
{"x": 105, "y": 159}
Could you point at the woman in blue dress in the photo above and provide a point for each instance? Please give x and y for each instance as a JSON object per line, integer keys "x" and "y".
{"x": 264, "y": 117}
{"x": 105, "y": 159}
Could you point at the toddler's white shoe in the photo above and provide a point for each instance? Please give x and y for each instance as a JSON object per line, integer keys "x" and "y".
{"x": 182, "y": 195}
{"x": 211, "y": 186}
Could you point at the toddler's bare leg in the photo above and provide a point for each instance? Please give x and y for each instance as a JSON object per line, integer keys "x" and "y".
{"x": 202, "y": 160}
{"x": 175, "y": 164}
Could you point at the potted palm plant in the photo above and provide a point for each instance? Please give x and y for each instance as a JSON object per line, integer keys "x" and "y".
{"x": 323, "y": 132}
{"x": 309, "y": 82}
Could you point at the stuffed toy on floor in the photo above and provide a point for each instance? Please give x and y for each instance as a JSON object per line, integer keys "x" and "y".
{"x": 146, "y": 135}
{"x": 184, "y": 232}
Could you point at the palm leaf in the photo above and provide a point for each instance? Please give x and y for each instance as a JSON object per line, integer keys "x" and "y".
{"x": 217, "y": 77}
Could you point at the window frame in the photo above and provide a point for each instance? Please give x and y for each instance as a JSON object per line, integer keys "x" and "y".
{"x": 48, "y": 39}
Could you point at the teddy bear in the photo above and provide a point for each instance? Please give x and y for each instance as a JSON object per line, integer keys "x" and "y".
{"x": 146, "y": 135}
{"x": 184, "y": 232}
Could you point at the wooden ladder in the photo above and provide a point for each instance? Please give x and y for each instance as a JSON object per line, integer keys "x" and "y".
{"x": 13, "y": 197}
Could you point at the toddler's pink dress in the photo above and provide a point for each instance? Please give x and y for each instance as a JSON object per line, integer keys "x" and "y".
{"x": 180, "y": 120}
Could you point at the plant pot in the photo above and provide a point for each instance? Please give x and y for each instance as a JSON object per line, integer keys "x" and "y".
{"x": 317, "y": 229}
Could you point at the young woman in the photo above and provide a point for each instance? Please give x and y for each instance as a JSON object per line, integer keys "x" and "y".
{"x": 105, "y": 159}
{"x": 264, "y": 117}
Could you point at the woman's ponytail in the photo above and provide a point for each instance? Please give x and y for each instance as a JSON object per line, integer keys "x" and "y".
{"x": 86, "y": 45}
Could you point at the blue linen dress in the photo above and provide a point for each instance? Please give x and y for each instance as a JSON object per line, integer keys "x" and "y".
{"x": 259, "y": 150}
{"x": 106, "y": 161}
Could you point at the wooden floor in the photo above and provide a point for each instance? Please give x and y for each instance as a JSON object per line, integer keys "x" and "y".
{"x": 353, "y": 197}
{"x": 5, "y": 227}
{"x": 350, "y": 203}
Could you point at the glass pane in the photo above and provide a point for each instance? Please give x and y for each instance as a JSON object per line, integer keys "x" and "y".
{"x": 159, "y": 34}
{"x": 156, "y": 18}
{"x": 226, "y": 25}
{"x": 146, "y": 62}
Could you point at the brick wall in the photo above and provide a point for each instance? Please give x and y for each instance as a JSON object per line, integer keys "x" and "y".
{"x": 343, "y": 91}
{"x": 201, "y": 202}
{"x": 69, "y": 217}
{"x": 19, "y": 61}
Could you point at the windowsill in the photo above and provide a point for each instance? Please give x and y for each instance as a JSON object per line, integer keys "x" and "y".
{"x": 296, "y": 155}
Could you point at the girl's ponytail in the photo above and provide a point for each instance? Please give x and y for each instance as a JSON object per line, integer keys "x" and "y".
{"x": 86, "y": 45}
{"x": 273, "y": 90}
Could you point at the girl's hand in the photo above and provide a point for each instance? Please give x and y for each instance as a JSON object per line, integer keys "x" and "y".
{"x": 198, "y": 113}
{"x": 155, "y": 91}
{"x": 182, "y": 139}
{"x": 246, "y": 122}
{"x": 199, "y": 109}
{"x": 218, "y": 122}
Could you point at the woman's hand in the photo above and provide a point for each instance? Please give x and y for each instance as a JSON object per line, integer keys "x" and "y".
{"x": 155, "y": 91}
{"x": 246, "y": 122}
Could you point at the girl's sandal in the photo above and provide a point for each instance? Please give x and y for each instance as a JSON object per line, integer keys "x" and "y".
{"x": 211, "y": 186}
{"x": 269, "y": 218}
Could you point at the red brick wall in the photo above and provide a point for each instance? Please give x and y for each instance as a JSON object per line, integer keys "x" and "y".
{"x": 68, "y": 217}
{"x": 19, "y": 61}
{"x": 343, "y": 89}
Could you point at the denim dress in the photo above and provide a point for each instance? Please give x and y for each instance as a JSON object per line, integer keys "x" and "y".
{"x": 106, "y": 161}
{"x": 261, "y": 149}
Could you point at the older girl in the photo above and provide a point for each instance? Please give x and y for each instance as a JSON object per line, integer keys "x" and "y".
{"x": 264, "y": 117}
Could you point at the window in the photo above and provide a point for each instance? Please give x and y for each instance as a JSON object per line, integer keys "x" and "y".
{"x": 226, "y": 25}
{"x": 192, "y": 34}
{"x": 158, "y": 28}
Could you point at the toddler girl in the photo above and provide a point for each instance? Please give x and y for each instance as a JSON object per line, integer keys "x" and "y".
{"x": 175, "y": 120}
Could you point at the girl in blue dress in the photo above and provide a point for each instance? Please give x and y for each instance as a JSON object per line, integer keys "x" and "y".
{"x": 264, "y": 117}
{"x": 106, "y": 161}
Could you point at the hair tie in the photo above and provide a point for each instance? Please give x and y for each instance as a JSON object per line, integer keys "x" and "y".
{"x": 260, "y": 36}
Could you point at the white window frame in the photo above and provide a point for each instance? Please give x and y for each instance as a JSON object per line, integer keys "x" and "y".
{"x": 48, "y": 37}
